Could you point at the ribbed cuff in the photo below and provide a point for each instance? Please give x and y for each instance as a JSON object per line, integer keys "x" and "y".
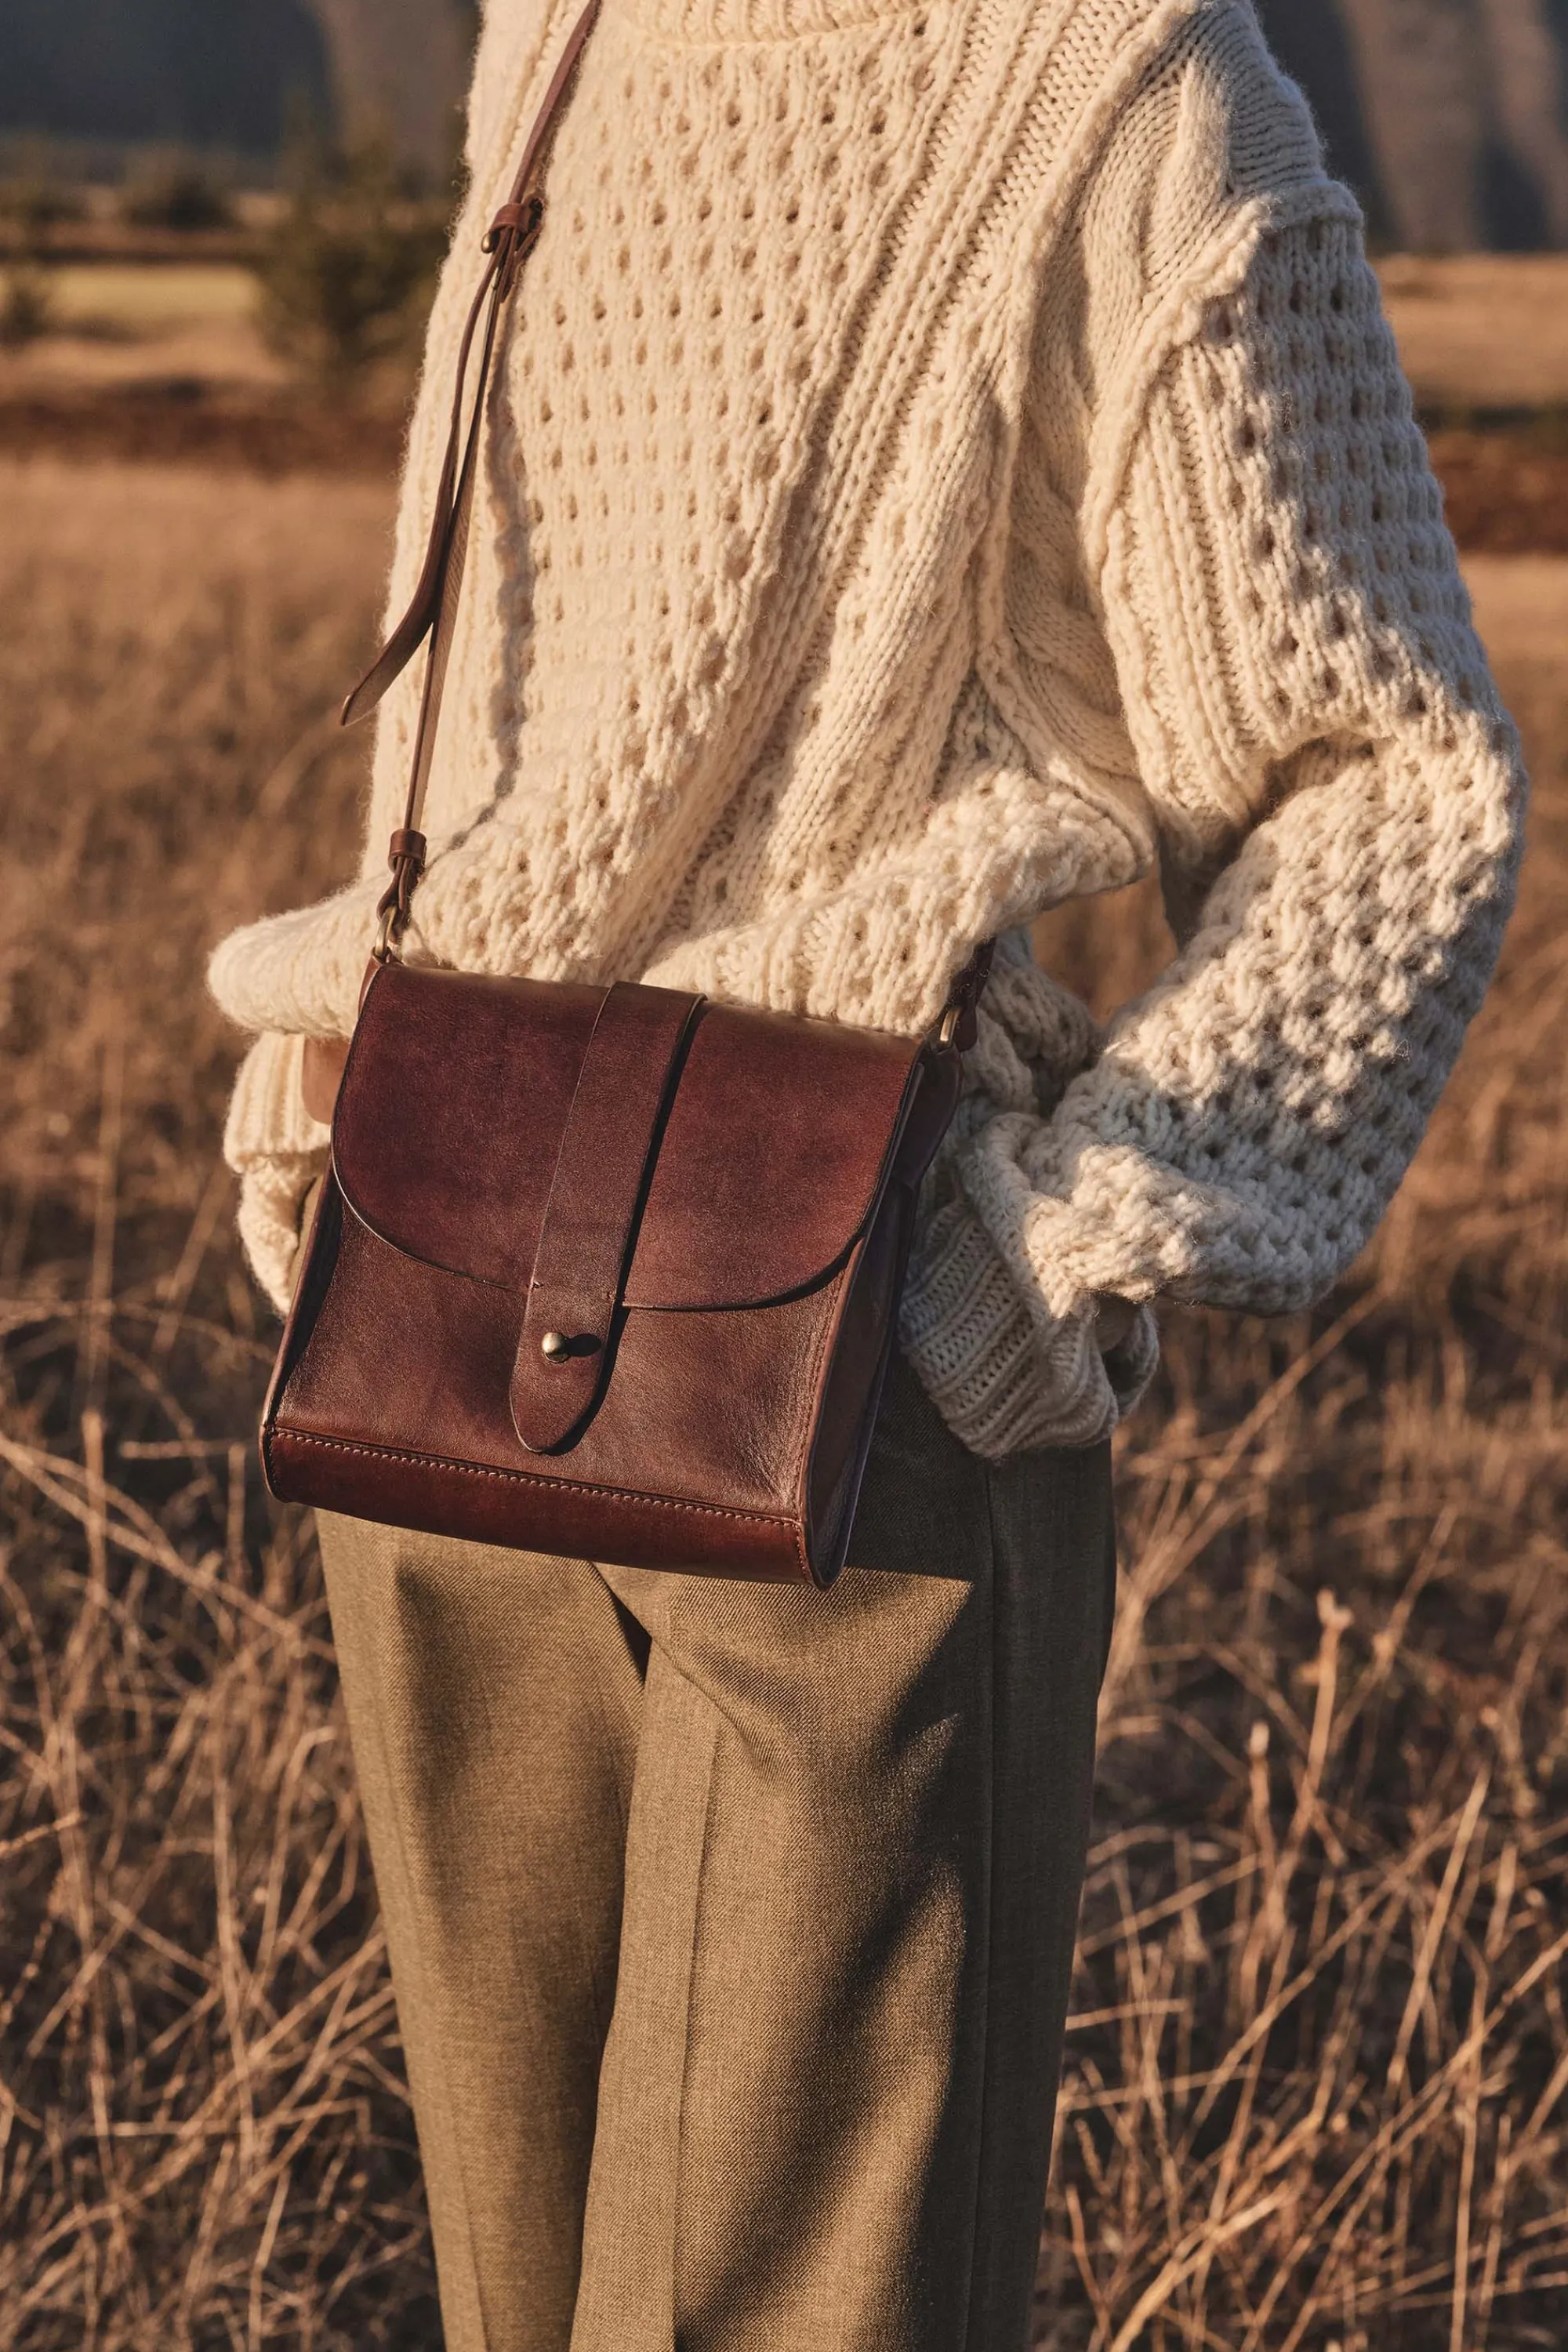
{"x": 276, "y": 1150}
{"x": 1005, "y": 1378}
{"x": 266, "y": 1114}
{"x": 271, "y": 1218}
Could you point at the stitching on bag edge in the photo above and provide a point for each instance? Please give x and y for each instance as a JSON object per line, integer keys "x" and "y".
{"x": 280, "y": 1436}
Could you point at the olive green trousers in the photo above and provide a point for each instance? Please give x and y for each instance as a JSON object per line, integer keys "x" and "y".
{"x": 732, "y": 1925}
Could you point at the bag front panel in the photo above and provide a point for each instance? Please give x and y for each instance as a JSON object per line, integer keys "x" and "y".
{"x": 458, "y": 1089}
{"x": 727, "y": 1429}
{"x": 712, "y": 1408}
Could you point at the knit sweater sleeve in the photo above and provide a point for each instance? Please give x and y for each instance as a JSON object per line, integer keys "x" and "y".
{"x": 1336, "y": 794}
{"x": 277, "y": 1150}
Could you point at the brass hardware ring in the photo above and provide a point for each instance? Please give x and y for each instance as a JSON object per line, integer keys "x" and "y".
{"x": 386, "y": 948}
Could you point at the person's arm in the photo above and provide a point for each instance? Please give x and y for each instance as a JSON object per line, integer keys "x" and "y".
{"x": 1338, "y": 795}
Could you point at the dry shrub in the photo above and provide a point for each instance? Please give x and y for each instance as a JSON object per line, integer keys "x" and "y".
{"x": 174, "y": 189}
{"x": 1317, "y": 2068}
{"x": 347, "y": 272}
{"x": 24, "y": 307}
{"x": 1506, "y": 489}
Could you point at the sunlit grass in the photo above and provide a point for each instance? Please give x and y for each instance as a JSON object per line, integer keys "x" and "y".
{"x": 149, "y": 299}
{"x": 1318, "y": 2055}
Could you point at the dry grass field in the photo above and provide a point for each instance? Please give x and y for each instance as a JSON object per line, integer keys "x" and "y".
{"x": 115, "y": 327}
{"x": 1474, "y": 329}
{"x": 1317, "y": 2087}
{"x": 163, "y": 358}
{"x": 1481, "y": 330}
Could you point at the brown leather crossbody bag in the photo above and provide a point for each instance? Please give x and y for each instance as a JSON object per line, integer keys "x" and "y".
{"x": 606, "y": 1273}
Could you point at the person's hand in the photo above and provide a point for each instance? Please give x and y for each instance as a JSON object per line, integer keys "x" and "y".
{"x": 320, "y": 1075}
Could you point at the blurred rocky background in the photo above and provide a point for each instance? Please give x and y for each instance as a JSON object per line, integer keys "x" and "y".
{"x": 229, "y": 76}
{"x": 1449, "y": 116}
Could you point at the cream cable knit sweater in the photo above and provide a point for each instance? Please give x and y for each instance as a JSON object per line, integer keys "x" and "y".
{"x": 949, "y": 458}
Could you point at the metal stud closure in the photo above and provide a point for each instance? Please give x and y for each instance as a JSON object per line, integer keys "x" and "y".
{"x": 555, "y": 1345}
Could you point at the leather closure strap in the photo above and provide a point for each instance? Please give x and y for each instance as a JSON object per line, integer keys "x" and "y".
{"x": 607, "y": 1151}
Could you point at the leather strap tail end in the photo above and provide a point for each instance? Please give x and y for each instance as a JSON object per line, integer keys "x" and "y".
{"x": 959, "y": 1026}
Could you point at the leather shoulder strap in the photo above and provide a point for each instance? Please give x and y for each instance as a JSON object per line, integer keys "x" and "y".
{"x": 432, "y": 613}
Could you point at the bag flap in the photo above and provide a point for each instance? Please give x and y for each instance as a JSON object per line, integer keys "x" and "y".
{"x": 456, "y": 1096}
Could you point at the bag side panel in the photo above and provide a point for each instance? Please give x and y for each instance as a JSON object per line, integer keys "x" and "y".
{"x": 852, "y": 1390}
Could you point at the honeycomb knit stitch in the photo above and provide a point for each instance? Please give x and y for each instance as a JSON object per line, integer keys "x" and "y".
{"x": 949, "y": 458}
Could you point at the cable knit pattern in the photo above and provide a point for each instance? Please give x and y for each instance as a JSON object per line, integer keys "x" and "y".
{"x": 949, "y": 458}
